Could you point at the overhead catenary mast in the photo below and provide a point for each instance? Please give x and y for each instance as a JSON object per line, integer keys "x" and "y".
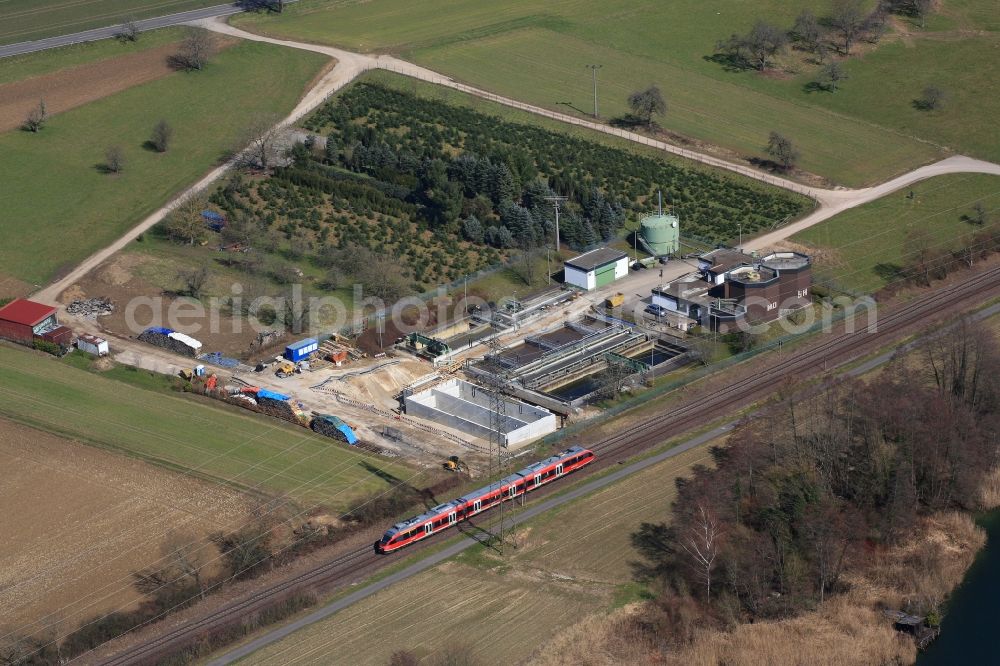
{"x": 499, "y": 388}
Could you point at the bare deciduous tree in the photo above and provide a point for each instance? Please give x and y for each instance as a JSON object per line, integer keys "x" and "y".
{"x": 806, "y": 30}
{"x": 782, "y": 151}
{"x": 921, "y": 10}
{"x": 114, "y": 159}
{"x": 184, "y": 224}
{"x": 260, "y": 141}
{"x": 831, "y": 75}
{"x": 647, "y": 103}
{"x": 178, "y": 576}
{"x": 980, "y": 214}
{"x": 931, "y": 99}
{"x": 877, "y": 22}
{"x": 701, "y": 541}
{"x": 196, "y": 49}
{"x": 36, "y": 118}
{"x": 161, "y": 136}
{"x": 763, "y": 42}
{"x": 195, "y": 280}
{"x": 129, "y": 31}
{"x": 848, "y": 18}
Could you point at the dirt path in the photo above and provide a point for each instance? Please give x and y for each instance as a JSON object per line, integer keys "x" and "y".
{"x": 350, "y": 65}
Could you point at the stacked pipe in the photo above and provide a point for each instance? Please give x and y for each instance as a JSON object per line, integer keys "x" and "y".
{"x": 327, "y": 426}
{"x": 169, "y": 339}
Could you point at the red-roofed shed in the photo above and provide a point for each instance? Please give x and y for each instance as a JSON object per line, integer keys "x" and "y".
{"x": 21, "y": 320}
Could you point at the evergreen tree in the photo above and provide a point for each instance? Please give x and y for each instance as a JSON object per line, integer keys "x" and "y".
{"x": 472, "y": 229}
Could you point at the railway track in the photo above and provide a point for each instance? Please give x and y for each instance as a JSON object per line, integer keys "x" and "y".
{"x": 831, "y": 352}
{"x": 655, "y": 430}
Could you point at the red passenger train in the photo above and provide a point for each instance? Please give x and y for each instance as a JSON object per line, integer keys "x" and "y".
{"x": 445, "y": 515}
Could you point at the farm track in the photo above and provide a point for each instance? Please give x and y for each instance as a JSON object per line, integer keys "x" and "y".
{"x": 840, "y": 348}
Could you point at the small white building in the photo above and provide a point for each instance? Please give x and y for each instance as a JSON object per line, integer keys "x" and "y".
{"x": 596, "y": 268}
{"x": 92, "y": 344}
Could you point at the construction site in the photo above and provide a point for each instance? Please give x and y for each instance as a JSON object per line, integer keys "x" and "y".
{"x": 542, "y": 360}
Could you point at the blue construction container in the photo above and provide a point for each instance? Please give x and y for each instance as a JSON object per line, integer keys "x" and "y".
{"x": 298, "y": 351}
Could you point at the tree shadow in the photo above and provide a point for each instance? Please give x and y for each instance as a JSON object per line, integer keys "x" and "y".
{"x": 389, "y": 478}
{"x": 768, "y": 165}
{"x": 816, "y": 86}
{"x": 258, "y": 6}
{"x": 922, "y": 105}
{"x": 104, "y": 168}
{"x": 180, "y": 63}
{"x": 630, "y": 121}
{"x": 148, "y": 145}
{"x": 728, "y": 61}
{"x": 888, "y": 272}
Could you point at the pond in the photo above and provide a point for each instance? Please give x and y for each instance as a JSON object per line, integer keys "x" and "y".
{"x": 972, "y": 620}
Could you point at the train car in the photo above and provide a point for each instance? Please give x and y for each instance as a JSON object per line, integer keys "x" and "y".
{"x": 445, "y": 515}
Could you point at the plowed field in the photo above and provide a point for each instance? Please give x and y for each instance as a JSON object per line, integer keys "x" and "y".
{"x": 77, "y": 521}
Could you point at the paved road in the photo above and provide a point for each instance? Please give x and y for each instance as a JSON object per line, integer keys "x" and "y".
{"x": 110, "y": 31}
{"x": 587, "y": 488}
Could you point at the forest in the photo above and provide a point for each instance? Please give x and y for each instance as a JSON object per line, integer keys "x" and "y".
{"x": 820, "y": 486}
{"x": 450, "y": 190}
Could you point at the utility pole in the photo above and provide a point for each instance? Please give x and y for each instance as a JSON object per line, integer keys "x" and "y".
{"x": 593, "y": 69}
{"x": 556, "y": 200}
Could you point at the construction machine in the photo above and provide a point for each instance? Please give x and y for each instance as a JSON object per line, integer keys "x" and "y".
{"x": 285, "y": 369}
{"x": 455, "y": 464}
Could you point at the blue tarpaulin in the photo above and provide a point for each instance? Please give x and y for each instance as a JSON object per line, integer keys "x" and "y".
{"x": 213, "y": 220}
{"x": 264, "y": 393}
{"x": 348, "y": 434}
{"x": 339, "y": 424}
{"x": 159, "y": 329}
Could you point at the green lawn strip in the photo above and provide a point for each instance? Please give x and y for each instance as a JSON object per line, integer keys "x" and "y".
{"x": 59, "y": 206}
{"x": 861, "y": 248}
{"x": 184, "y": 433}
{"x": 27, "y": 20}
{"x": 18, "y": 68}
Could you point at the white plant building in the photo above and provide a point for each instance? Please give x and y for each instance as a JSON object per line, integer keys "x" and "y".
{"x": 596, "y": 268}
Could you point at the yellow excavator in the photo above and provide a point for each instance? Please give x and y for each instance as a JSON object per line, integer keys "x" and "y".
{"x": 455, "y": 464}
{"x": 285, "y": 369}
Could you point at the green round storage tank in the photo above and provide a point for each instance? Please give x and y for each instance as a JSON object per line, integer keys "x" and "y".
{"x": 661, "y": 234}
